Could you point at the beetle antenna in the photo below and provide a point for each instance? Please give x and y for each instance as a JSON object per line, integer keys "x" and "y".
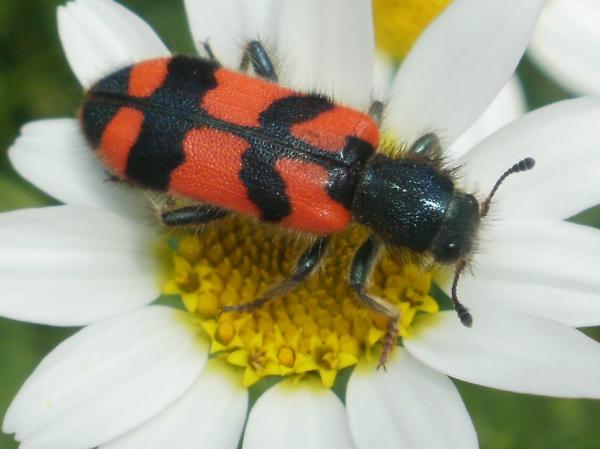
{"x": 463, "y": 313}
{"x": 524, "y": 165}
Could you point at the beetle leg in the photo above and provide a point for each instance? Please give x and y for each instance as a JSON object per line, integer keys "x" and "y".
{"x": 117, "y": 180}
{"x": 376, "y": 111}
{"x": 305, "y": 265}
{"x": 256, "y": 54}
{"x": 428, "y": 145}
{"x": 208, "y": 50}
{"x": 191, "y": 215}
{"x": 362, "y": 265}
{"x": 113, "y": 178}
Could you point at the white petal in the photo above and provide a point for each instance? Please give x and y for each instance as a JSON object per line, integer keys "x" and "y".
{"x": 510, "y": 352}
{"x": 408, "y": 407}
{"x": 458, "y": 66}
{"x": 564, "y": 140}
{"x": 54, "y": 156}
{"x": 101, "y": 36}
{"x": 566, "y": 43}
{"x": 227, "y": 25}
{"x": 69, "y": 265}
{"x": 328, "y": 47}
{"x": 304, "y": 416}
{"x": 538, "y": 267}
{"x": 107, "y": 379}
{"x": 383, "y": 73}
{"x": 508, "y": 106}
{"x": 210, "y": 415}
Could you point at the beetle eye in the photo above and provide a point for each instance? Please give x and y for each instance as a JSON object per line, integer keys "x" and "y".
{"x": 451, "y": 251}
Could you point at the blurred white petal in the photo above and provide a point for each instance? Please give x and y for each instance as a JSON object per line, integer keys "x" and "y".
{"x": 510, "y": 352}
{"x": 542, "y": 268}
{"x": 227, "y": 25}
{"x": 408, "y": 406}
{"x": 458, "y": 66}
{"x": 508, "y": 106}
{"x": 327, "y": 46}
{"x": 67, "y": 265}
{"x": 54, "y": 156}
{"x": 101, "y": 36}
{"x": 304, "y": 416}
{"x": 564, "y": 140}
{"x": 210, "y": 415}
{"x": 107, "y": 379}
{"x": 383, "y": 73}
{"x": 566, "y": 44}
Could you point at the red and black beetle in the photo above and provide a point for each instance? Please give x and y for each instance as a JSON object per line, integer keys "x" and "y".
{"x": 236, "y": 143}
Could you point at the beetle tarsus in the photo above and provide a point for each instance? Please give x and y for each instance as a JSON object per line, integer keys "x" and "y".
{"x": 208, "y": 49}
{"x": 256, "y": 54}
{"x": 376, "y": 111}
{"x": 389, "y": 341}
{"x": 305, "y": 265}
{"x": 362, "y": 265}
{"x": 192, "y": 215}
{"x": 464, "y": 315}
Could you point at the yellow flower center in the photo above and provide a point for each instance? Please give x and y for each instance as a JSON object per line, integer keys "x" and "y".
{"x": 398, "y": 23}
{"x": 320, "y": 327}
{"x": 187, "y": 281}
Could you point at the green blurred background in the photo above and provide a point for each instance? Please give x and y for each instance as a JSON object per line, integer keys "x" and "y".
{"x": 35, "y": 83}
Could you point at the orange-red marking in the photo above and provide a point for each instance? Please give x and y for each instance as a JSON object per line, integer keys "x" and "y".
{"x": 118, "y": 138}
{"x": 240, "y": 99}
{"x": 211, "y": 170}
{"x": 147, "y": 76}
{"x": 313, "y": 210}
{"x": 330, "y": 129}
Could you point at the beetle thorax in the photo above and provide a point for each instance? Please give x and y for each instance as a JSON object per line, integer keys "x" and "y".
{"x": 412, "y": 204}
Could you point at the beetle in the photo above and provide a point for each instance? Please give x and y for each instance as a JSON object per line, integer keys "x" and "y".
{"x": 236, "y": 143}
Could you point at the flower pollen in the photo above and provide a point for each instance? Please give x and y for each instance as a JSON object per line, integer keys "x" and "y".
{"x": 320, "y": 327}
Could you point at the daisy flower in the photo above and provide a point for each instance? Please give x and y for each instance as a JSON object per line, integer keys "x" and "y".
{"x": 300, "y": 372}
{"x": 566, "y": 44}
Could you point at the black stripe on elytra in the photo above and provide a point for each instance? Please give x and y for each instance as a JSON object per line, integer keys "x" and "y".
{"x": 264, "y": 186}
{"x": 343, "y": 180}
{"x": 286, "y": 112}
{"x": 159, "y": 148}
{"x": 97, "y": 112}
{"x": 115, "y": 83}
{"x": 157, "y": 151}
{"x": 294, "y": 147}
{"x": 188, "y": 80}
